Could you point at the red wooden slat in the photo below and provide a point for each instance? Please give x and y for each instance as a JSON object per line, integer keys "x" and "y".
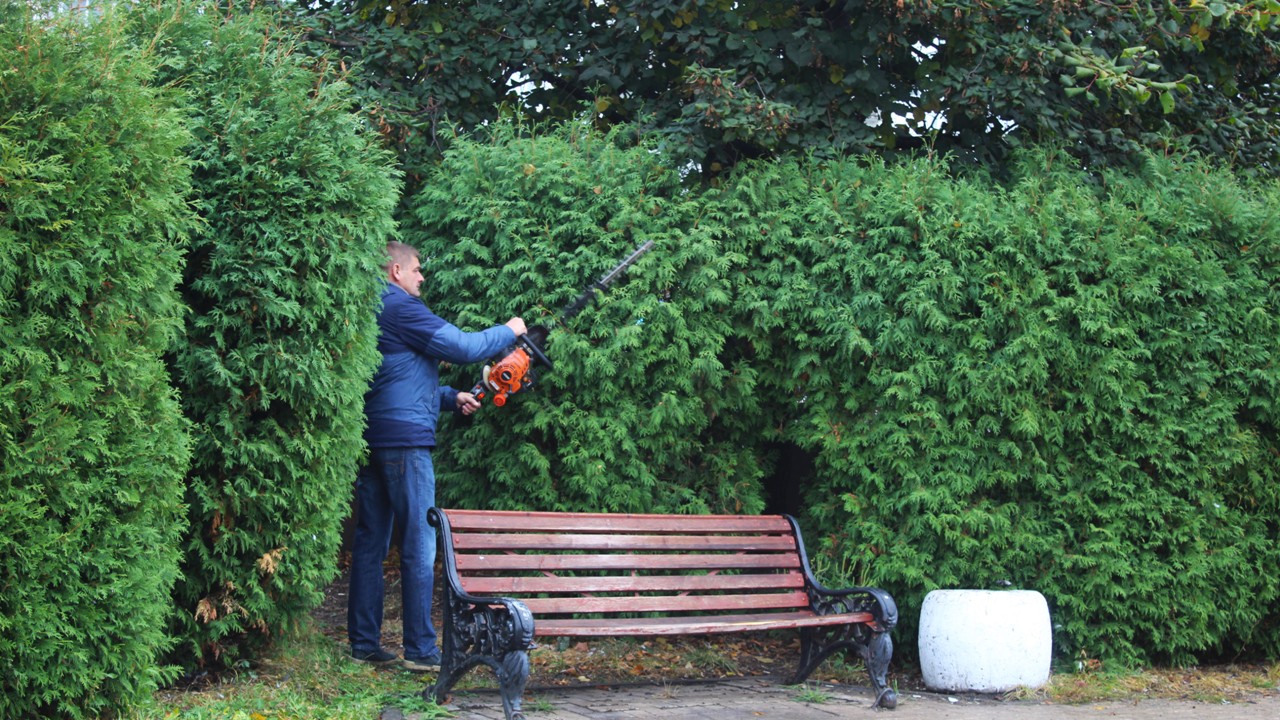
{"x": 468, "y": 520}
{"x": 691, "y": 625}
{"x": 465, "y": 542}
{"x": 508, "y": 586}
{"x": 467, "y": 563}
{"x": 665, "y": 603}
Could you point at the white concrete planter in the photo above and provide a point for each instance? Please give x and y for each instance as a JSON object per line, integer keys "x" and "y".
{"x": 988, "y": 641}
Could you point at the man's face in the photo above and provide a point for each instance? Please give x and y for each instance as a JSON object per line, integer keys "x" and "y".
{"x": 407, "y": 276}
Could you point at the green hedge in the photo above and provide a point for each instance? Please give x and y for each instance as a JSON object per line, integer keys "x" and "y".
{"x": 1068, "y": 383}
{"x": 93, "y": 447}
{"x": 639, "y": 413}
{"x": 282, "y": 282}
{"x": 1063, "y": 382}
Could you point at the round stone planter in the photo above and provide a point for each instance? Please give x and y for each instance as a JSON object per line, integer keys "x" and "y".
{"x": 988, "y": 641}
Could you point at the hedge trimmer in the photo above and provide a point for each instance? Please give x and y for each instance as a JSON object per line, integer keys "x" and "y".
{"x": 515, "y": 368}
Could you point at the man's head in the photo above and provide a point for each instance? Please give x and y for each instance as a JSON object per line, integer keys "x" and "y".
{"x": 404, "y": 269}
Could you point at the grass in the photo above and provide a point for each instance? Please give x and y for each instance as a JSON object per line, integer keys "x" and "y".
{"x": 538, "y": 704}
{"x": 811, "y": 694}
{"x": 308, "y": 677}
{"x": 840, "y": 668}
{"x": 712, "y": 658}
{"x": 1226, "y": 683}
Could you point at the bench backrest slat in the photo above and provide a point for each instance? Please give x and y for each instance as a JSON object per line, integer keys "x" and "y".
{"x": 472, "y": 563}
{"x": 566, "y": 564}
{"x": 564, "y": 542}
{"x": 535, "y": 522}
{"x": 508, "y": 585}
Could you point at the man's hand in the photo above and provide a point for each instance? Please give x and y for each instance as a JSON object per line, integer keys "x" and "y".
{"x": 517, "y": 326}
{"x": 467, "y": 403}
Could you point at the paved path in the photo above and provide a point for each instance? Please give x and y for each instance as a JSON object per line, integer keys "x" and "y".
{"x": 754, "y": 698}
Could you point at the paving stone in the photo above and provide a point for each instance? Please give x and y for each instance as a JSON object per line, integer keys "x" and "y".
{"x": 756, "y": 699}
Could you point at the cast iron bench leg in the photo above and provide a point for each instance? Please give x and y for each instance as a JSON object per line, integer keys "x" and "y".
{"x": 876, "y": 654}
{"x": 876, "y": 651}
{"x": 497, "y": 635}
{"x": 512, "y": 677}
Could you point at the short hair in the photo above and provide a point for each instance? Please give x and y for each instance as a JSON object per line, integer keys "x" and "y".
{"x": 398, "y": 252}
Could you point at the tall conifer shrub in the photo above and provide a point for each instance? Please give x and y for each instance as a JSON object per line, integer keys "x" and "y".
{"x": 93, "y": 447}
{"x": 282, "y": 282}
{"x": 1066, "y": 385}
{"x": 640, "y": 414}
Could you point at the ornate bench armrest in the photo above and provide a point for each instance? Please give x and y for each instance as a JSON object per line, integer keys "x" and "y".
{"x": 860, "y": 599}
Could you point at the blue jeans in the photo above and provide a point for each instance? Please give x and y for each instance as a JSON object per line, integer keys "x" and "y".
{"x": 397, "y": 486}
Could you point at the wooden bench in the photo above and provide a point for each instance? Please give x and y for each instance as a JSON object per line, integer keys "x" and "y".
{"x": 515, "y": 576}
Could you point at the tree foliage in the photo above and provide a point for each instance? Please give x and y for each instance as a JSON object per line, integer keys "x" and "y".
{"x": 728, "y": 80}
{"x": 93, "y": 446}
{"x": 282, "y": 282}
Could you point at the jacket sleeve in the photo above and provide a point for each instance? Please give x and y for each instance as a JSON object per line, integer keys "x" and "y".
{"x": 429, "y": 334}
{"x": 448, "y": 399}
{"x": 452, "y": 345}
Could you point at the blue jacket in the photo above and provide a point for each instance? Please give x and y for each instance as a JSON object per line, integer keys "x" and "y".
{"x": 405, "y": 398}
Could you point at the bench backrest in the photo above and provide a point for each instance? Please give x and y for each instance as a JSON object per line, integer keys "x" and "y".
{"x": 562, "y": 564}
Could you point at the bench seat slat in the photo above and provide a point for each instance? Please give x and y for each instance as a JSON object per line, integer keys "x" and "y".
{"x": 469, "y": 562}
{"x": 491, "y": 521}
{"x": 691, "y": 625}
{"x": 469, "y": 542}
{"x": 665, "y": 603}
{"x": 507, "y": 585}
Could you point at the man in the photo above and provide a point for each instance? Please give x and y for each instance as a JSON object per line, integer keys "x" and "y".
{"x": 397, "y": 486}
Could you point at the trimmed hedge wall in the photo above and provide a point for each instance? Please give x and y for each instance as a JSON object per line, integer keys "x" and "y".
{"x": 282, "y": 282}
{"x": 93, "y": 446}
{"x": 640, "y": 414}
{"x": 1068, "y": 383}
{"x": 1065, "y": 382}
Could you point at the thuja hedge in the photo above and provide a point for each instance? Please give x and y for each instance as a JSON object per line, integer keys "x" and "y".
{"x": 1068, "y": 384}
{"x": 93, "y": 446}
{"x": 640, "y": 413}
{"x": 281, "y": 281}
{"x": 1062, "y": 382}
